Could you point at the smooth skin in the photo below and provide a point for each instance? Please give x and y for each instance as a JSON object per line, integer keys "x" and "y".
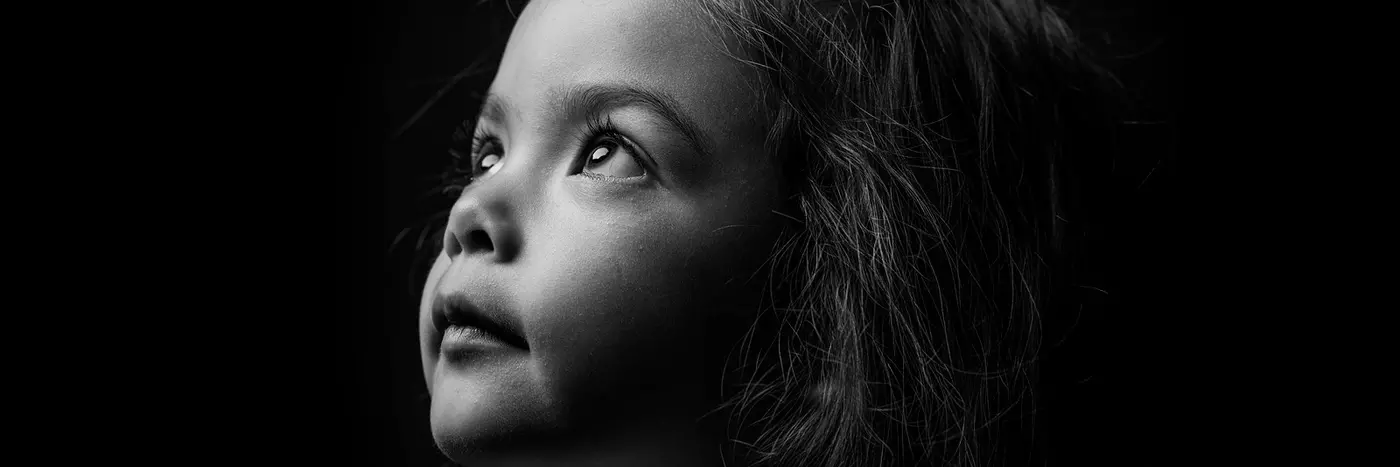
{"x": 630, "y": 263}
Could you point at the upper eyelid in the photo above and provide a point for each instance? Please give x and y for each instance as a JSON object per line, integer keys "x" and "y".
{"x": 496, "y": 109}
{"x": 643, "y": 157}
{"x": 604, "y": 98}
{"x": 594, "y": 128}
{"x": 590, "y": 99}
{"x": 480, "y": 138}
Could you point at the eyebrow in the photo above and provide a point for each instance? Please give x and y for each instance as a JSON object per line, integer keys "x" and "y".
{"x": 598, "y": 99}
{"x": 495, "y": 108}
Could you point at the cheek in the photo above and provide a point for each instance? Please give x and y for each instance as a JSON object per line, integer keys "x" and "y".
{"x": 629, "y": 312}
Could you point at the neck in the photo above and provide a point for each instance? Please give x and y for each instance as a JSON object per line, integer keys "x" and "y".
{"x": 644, "y": 447}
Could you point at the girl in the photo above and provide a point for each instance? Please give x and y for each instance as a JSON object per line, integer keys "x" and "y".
{"x": 759, "y": 232}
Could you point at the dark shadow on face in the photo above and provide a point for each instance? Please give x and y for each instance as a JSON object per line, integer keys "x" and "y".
{"x": 619, "y": 223}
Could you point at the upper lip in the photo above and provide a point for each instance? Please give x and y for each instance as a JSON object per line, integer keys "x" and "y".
{"x": 457, "y": 310}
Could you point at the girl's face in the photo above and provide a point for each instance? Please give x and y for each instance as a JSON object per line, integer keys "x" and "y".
{"x": 623, "y": 260}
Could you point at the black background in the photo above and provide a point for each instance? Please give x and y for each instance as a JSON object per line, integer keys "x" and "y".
{"x": 1100, "y": 383}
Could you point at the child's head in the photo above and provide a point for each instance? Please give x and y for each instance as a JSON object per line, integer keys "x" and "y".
{"x": 819, "y": 229}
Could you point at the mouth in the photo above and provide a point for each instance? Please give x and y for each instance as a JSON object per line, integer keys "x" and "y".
{"x": 460, "y": 324}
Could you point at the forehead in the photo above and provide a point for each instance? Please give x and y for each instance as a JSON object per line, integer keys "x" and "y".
{"x": 661, "y": 44}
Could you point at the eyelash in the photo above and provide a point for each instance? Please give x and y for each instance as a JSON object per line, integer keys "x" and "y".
{"x": 597, "y": 131}
{"x": 463, "y": 170}
{"x": 460, "y": 172}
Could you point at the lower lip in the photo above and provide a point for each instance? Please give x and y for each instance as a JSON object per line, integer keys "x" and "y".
{"x": 466, "y": 340}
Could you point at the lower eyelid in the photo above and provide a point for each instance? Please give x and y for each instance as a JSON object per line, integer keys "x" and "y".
{"x": 639, "y": 179}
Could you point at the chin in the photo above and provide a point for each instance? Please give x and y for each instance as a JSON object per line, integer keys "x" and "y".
{"x": 473, "y": 447}
{"x": 489, "y": 437}
{"x": 521, "y": 438}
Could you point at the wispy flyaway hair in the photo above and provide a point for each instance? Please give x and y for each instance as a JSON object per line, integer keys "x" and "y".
{"x": 928, "y": 145}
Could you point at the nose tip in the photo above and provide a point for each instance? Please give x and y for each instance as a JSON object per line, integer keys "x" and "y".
{"x": 481, "y": 225}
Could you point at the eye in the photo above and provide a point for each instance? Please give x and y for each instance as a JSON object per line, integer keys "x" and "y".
{"x": 486, "y": 159}
{"x": 610, "y": 159}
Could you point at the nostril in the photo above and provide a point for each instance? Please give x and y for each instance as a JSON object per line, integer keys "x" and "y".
{"x": 478, "y": 240}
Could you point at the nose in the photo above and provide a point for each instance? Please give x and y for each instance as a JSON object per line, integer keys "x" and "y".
{"x": 481, "y": 225}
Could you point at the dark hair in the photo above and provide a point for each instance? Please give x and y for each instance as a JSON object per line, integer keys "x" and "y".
{"x": 929, "y": 145}
{"x": 934, "y": 150}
